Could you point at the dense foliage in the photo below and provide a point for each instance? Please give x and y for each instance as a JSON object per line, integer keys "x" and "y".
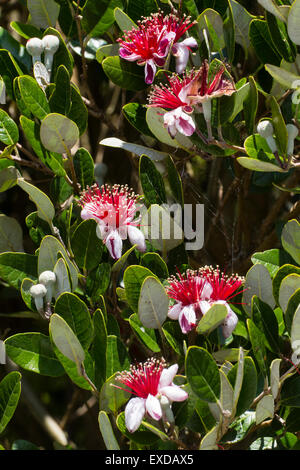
{"x": 166, "y": 316}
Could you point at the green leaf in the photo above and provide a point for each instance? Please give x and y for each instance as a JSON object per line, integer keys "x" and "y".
{"x": 209, "y": 441}
{"x": 174, "y": 181}
{"x": 242, "y": 20}
{"x": 293, "y": 22}
{"x": 203, "y": 374}
{"x": 212, "y": 319}
{"x": 10, "y": 389}
{"x": 11, "y": 234}
{"x": 282, "y": 43}
{"x": 9, "y": 70}
{"x": 290, "y": 392}
{"x": 8, "y": 178}
{"x": 262, "y": 42}
{"x": 290, "y": 239}
{"x": 275, "y": 377}
{"x": 139, "y": 8}
{"x": 249, "y": 385}
{"x": 271, "y": 7}
{"x": 134, "y": 148}
{"x": 34, "y": 352}
{"x": 26, "y": 31}
{"x": 9, "y": 133}
{"x": 280, "y": 275}
{"x": 152, "y": 182}
{"x": 45, "y": 208}
{"x": 84, "y": 168}
{"x": 107, "y": 432}
{"x": 98, "y": 17}
{"x": 60, "y": 100}
{"x": 251, "y": 105}
{"x": 262, "y": 159}
{"x": 213, "y": 23}
{"x": 124, "y": 22}
{"x": 288, "y": 287}
{"x": 121, "y": 262}
{"x": 111, "y": 396}
{"x": 107, "y": 51}
{"x": 33, "y": 96}
{"x": 265, "y": 319}
{"x": 124, "y": 74}
{"x": 284, "y": 77}
{"x": 50, "y": 250}
{"x": 135, "y": 113}
{"x": 86, "y": 246}
{"x": 65, "y": 340}
{"x": 153, "y": 303}
{"x": 295, "y": 328}
{"x": 141, "y": 436}
{"x": 43, "y": 13}
{"x": 134, "y": 277}
{"x": 117, "y": 358}
{"x": 258, "y": 282}
{"x": 21, "y": 444}
{"x": 98, "y": 349}
{"x": 145, "y": 335}
{"x": 258, "y": 345}
{"x": 265, "y": 409}
{"x": 76, "y": 314}
{"x": 14, "y": 267}
{"x": 78, "y": 112}
{"x": 279, "y": 126}
{"x": 161, "y": 229}
{"x": 58, "y": 133}
{"x": 63, "y": 283}
{"x": 271, "y": 259}
{"x": 156, "y": 264}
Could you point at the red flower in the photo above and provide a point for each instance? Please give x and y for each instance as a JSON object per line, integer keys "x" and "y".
{"x": 174, "y": 97}
{"x": 114, "y": 209}
{"x": 152, "y": 385}
{"x": 150, "y": 43}
{"x": 197, "y": 291}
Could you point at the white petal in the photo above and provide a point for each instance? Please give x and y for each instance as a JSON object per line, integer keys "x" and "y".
{"x": 167, "y": 376}
{"x": 102, "y": 231}
{"x": 174, "y": 393}
{"x": 86, "y": 214}
{"x": 187, "y": 319}
{"x": 174, "y": 311}
{"x": 182, "y": 57}
{"x": 185, "y": 124}
{"x": 204, "y": 306}
{"x": 207, "y": 290}
{"x": 189, "y": 42}
{"x": 136, "y": 237}
{"x": 134, "y": 413}
{"x": 153, "y": 407}
{"x": 230, "y": 322}
{"x": 114, "y": 244}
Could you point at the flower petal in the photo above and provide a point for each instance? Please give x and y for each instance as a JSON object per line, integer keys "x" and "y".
{"x": 185, "y": 125}
{"x": 114, "y": 244}
{"x": 134, "y": 413}
{"x": 204, "y": 306}
{"x": 128, "y": 55}
{"x": 229, "y": 323}
{"x": 136, "y": 237}
{"x": 187, "y": 319}
{"x": 167, "y": 376}
{"x": 174, "y": 393}
{"x": 174, "y": 311}
{"x": 150, "y": 71}
{"x": 153, "y": 407}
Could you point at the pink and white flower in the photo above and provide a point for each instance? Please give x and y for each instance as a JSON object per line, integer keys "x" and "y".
{"x": 151, "y": 41}
{"x": 174, "y": 98}
{"x": 196, "y": 292}
{"x": 114, "y": 208}
{"x": 189, "y": 290}
{"x": 149, "y": 382}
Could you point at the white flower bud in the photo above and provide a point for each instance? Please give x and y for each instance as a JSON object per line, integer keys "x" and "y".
{"x": 292, "y": 134}
{"x": 35, "y": 48}
{"x": 48, "y": 279}
{"x": 51, "y": 45}
{"x": 266, "y": 130}
{"x": 166, "y": 409}
{"x": 38, "y": 292}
